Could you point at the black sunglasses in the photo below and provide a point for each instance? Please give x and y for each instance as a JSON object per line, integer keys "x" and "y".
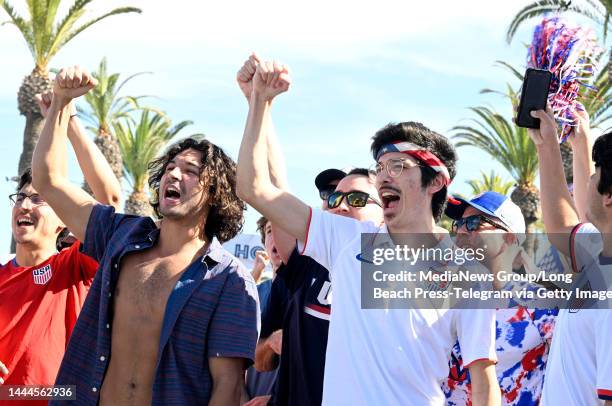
{"x": 473, "y": 223}
{"x": 354, "y": 198}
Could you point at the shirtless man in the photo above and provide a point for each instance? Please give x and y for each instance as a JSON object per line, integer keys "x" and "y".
{"x": 171, "y": 317}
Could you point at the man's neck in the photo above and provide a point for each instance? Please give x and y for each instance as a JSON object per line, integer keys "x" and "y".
{"x": 606, "y": 233}
{"x": 415, "y": 233}
{"x": 30, "y": 255}
{"x": 177, "y": 237}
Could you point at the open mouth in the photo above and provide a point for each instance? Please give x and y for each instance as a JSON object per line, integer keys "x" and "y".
{"x": 172, "y": 193}
{"x": 389, "y": 198}
{"x": 24, "y": 222}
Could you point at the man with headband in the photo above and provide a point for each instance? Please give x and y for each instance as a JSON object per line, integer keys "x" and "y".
{"x": 375, "y": 356}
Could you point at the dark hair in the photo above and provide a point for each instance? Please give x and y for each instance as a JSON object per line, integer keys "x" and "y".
{"x": 417, "y": 133}
{"x": 25, "y": 179}
{"x": 602, "y": 156}
{"x": 261, "y": 227}
{"x": 362, "y": 172}
{"x": 225, "y": 217}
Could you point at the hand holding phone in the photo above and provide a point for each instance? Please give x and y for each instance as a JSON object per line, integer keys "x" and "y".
{"x": 534, "y": 94}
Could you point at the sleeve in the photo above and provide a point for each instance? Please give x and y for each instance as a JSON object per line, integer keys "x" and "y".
{"x": 234, "y": 325}
{"x": 603, "y": 355}
{"x": 585, "y": 245}
{"x": 100, "y": 227}
{"x": 294, "y": 272}
{"x": 327, "y": 235}
{"x": 272, "y": 318}
{"x": 81, "y": 266}
{"x": 476, "y": 334}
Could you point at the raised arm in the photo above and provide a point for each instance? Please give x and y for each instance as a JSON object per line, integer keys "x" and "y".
{"x": 72, "y": 204}
{"x": 582, "y": 164}
{"x": 558, "y": 210}
{"x": 96, "y": 170}
{"x": 254, "y": 184}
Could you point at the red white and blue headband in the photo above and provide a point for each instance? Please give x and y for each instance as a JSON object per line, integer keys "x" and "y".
{"x": 424, "y": 156}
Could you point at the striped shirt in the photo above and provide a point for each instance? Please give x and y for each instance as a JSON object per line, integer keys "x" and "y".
{"x": 211, "y": 312}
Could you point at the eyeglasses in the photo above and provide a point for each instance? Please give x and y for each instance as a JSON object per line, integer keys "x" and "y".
{"x": 473, "y": 223}
{"x": 355, "y": 199}
{"x": 17, "y": 199}
{"x": 324, "y": 193}
{"x": 394, "y": 166}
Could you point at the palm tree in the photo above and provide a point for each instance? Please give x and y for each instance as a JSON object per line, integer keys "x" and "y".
{"x": 104, "y": 108}
{"x": 491, "y": 182}
{"x": 512, "y": 147}
{"x": 598, "y": 11}
{"x": 140, "y": 143}
{"x": 45, "y": 35}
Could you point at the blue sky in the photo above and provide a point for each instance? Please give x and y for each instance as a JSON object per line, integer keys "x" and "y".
{"x": 356, "y": 66}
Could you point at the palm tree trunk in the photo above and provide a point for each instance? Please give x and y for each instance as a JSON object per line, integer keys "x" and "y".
{"x": 138, "y": 204}
{"x": 36, "y": 82}
{"x": 567, "y": 157}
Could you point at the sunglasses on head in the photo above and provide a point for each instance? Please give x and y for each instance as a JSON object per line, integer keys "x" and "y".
{"x": 473, "y": 223}
{"x": 354, "y": 199}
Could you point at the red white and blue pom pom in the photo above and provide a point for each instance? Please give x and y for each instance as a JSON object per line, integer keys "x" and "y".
{"x": 569, "y": 52}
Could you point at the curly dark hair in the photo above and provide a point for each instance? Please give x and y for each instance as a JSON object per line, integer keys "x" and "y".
{"x": 602, "y": 157}
{"x": 420, "y": 135}
{"x": 226, "y": 214}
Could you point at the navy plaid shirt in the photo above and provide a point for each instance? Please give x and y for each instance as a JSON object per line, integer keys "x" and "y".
{"x": 211, "y": 312}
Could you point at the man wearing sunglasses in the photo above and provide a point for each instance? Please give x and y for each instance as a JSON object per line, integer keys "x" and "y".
{"x": 491, "y": 221}
{"x": 43, "y": 290}
{"x": 326, "y": 182}
{"x": 375, "y": 356}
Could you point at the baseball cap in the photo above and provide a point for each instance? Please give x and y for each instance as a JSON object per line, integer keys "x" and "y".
{"x": 493, "y": 204}
{"x": 323, "y": 179}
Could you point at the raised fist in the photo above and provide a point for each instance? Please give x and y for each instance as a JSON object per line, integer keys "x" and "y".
{"x": 271, "y": 79}
{"x": 44, "y": 102}
{"x": 244, "y": 77}
{"x": 73, "y": 82}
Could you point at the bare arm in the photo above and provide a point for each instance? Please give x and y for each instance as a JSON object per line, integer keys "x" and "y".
{"x": 71, "y": 203}
{"x": 254, "y": 184}
{"x": 267, "y": 351}
{"x": 227, "y": 380}
{"x": 96, "y": 170}
{"x": 582, "y": 165}
{"x": 485, "y": 388}
{"x": 558, "y": 210}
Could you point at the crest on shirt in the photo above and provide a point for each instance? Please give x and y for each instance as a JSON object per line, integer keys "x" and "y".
{"x": 42, "y": 275}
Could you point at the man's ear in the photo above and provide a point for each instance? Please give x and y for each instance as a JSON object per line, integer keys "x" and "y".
{"x": 607, "y": 199}
{"x": 437, "y": 184}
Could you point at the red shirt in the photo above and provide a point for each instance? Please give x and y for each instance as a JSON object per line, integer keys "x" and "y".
{"x": 39, "y": 306}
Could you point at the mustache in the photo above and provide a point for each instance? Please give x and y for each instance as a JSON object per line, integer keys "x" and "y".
{"x": 391, "y": 188}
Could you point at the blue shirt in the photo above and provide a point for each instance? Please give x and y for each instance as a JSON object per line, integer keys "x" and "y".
{"x": 211, "y": 312}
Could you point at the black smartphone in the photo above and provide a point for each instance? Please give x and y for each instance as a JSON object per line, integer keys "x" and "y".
{"x": 533, "y": 96}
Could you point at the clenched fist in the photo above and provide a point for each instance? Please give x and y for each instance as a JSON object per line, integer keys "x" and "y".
{"x": 244, "y": 77}
{"x": 271, "y": 79}
{"x": 73, "y": 82}
{"x": 44, "y": 102}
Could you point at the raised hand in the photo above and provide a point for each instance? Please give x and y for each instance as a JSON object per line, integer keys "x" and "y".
{"x": 270, "y": 80}
{"x": 244, "y": 77}
{"x": 275, "y": 341}
{"x": 44, "y": 102}
{"x": 73, "y": 82}
{"x": 582, "y": 131}
{"x": 547, "y": 134}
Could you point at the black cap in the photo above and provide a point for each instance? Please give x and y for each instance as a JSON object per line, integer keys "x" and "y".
{"x": 325, "y": 178}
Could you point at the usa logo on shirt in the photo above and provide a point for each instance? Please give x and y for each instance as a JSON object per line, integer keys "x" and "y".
{"x": 42, "y": 275}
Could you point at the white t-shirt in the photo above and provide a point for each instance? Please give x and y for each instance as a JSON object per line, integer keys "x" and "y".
{"x": 386, "y": 356}
{"x": 579, "y": 370}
